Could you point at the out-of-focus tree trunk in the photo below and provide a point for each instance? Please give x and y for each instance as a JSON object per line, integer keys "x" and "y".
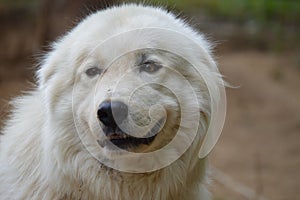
{"x": 43, "y": 22}
{"x": 56, "y": 16}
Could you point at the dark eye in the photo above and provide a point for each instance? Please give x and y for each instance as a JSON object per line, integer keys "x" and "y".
{"x": 93, "y": 71}
{"x": 150, "y": 67}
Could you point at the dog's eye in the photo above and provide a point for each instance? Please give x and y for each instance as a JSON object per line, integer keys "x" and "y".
{"x": 93, "y": 71}
{"x": 150, "y": 67}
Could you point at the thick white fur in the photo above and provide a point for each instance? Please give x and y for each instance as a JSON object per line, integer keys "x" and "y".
{"x": 41, "y": 155}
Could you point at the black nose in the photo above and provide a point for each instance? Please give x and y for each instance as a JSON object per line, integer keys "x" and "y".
{"x": 112, "y": 113}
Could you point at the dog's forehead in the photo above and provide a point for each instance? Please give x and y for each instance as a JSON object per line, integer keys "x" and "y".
{"x": 130, "y": 17}
{"x": 111, "y": 34}
{"x": 110, "y": 26}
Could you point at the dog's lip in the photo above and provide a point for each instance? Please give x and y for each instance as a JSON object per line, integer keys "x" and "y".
{"x": 124, "y": 140}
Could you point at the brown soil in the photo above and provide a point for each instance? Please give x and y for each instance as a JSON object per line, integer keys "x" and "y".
{"x": 260, "y": 144}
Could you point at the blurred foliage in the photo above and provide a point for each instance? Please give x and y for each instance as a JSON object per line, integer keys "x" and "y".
{"x": 18, "y": 4}
{"x": 270, "y": 24}
{"x": 263, "y": 10}
{"x": 260, "y": 10}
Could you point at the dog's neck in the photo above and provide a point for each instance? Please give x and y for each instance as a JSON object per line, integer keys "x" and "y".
{"x": 168, "y": 183}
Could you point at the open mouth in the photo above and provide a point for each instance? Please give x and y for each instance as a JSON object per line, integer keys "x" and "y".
{"x": 125, "y": 141}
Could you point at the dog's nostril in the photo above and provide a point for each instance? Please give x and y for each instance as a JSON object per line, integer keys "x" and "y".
{"x": 112, "y": 113}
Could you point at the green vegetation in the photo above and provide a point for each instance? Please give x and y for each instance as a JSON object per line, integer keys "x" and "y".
{"x": 272, "y": 24}
{"x": 18, "y": 4}
{"x": 261, "y": 10}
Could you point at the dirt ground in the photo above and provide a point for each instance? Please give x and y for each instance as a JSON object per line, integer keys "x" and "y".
{"x": 260, "y": 144}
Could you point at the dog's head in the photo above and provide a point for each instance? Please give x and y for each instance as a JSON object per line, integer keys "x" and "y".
{"x": 131, "y": 82}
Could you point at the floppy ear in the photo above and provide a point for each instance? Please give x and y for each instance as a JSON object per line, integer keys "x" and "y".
{"x": 45, "y": 73}
{"x": 217, "y": 117}
{"x": 50, "y": 65}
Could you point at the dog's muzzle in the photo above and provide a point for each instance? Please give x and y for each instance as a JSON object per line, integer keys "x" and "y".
{"x": 111, "y": 114}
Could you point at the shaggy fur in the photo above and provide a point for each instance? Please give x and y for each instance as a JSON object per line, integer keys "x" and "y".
{"x": 41, "y": 153}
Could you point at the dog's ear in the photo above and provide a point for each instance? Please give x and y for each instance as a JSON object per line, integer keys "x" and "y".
{"x": 50, "y": 63}
{"x": 45, "y": 73}
{"x": 217, "y": 116}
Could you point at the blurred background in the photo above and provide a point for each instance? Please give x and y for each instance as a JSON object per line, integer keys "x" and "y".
{"x": 258, "y": 50}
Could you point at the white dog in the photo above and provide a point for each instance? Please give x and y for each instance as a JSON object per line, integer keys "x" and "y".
{"x": 120, "y": 112}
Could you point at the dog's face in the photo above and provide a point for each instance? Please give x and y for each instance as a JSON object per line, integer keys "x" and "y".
{"x": 129, "y": 86}
{"x": 135, "y": 103}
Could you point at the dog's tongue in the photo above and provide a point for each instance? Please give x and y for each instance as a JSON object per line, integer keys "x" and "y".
{"x": 117, "y": 136}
